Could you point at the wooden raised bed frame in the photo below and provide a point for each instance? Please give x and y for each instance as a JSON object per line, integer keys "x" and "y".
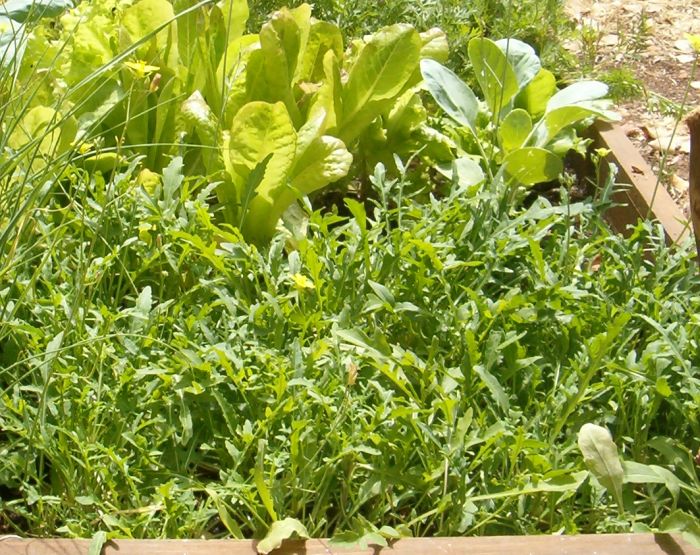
{"x": 645, "y": 197}
{"x": 600, "y": 544}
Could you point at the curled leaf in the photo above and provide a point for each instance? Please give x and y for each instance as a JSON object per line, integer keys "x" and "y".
{"x": 280, "y": 531}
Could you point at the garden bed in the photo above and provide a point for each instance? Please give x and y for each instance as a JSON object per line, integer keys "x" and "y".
{"x": 445, "y": 351}
{"x": 602, "y": 544}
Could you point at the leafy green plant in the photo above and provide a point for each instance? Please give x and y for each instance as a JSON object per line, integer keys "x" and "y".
{"x": 541, "y": 23}
{"x": 143, "y": 79}
{"x": 161, "y": 377}
{"x": 530, "y": 125}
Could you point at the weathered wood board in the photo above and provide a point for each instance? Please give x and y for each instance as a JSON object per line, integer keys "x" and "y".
{"x": 644, "y": 197}
{"x": 602, "y": 544}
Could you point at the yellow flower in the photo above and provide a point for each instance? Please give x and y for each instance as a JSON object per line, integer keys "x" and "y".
{"x": 84, "y": 148}
{"x": 302, "y": 282}
{"x": 140, "y": 68}
{"x": 148, "y": 180}
{"x": 694, "y": 41}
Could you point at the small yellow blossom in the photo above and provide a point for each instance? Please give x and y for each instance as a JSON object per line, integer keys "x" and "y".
{"x": 84, "y": 148}
{"x": 140, "y": 68}
{"x": 148, "y": 180}
{"x": 694, "y": 41}
{"x": 145, "y": 232}
{"x": 302, "y": 282}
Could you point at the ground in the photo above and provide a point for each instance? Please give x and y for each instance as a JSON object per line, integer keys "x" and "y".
{"x": 644, "y": 39}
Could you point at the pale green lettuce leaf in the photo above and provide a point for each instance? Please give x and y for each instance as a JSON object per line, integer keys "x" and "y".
{"x": 323, "y": 36}
{"x": 235, "y": 14}
{"x": 259, "y": 130}
{"x": 325, "y": 160}
{"x": 434, "y": 45}
{"x": 282, "y": 40}
{"x": 328, "y": 99}
{"x": 379, "y": 74}
{"x": 141, "y": 20}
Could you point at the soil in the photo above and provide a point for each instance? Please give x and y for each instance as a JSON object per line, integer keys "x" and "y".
{"x": 645, "y": 38}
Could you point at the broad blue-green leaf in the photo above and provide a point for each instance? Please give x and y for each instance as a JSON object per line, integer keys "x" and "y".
{"x": 493, "y": 72}
{"x": 280, "y": 531}
{"x": 380, "y": 73}
{"x": 681, "y": 522}
{"x": 522, "y": 58}
{"x": 451, "y": 93}
{"x": 514, "y": 129}
{"x": 97, "y": 542}
{"x": 142, "y": 307}
{"x": 532, "y": 165}
{"x": 560, "y": 118}
{"x": 637, "y": 473}
{"x": 434, "y": 45}
{"x": 535, "y": 96}
{"x": 562, "y": 483}
{"x": 172, "y": 180}
{"x": 31, "y": 10}
{"x": 12, "y": 42}
{"x": 576, "y": 93}
{"x": 467, "y": 172}
{"x": 357, "y": 540}
{"x": 601, "y": 457}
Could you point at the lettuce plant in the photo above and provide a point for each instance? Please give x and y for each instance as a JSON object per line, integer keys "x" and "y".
{"x": 272, "y": 116}
{"x": 529, "y": 124}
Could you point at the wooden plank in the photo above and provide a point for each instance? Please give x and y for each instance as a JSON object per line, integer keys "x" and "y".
{"x": 645, "y": 197}
{"x": 602, "y": 544}
{"x": 693, "y": 122}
